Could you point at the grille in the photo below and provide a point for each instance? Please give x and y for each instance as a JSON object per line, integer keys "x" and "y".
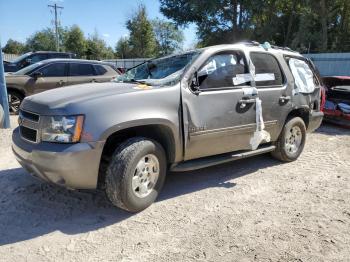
{"x": 30, "y": 116}
{"x": 29, "y": 125}
{"x": 28, "y": 133}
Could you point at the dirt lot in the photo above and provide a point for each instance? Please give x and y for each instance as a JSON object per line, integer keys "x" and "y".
{"x": 254, "y": 209}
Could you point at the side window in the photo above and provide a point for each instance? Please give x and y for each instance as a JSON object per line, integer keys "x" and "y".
{"x": 220, "y": 70}
{"x": 305, "y": 79}
{"x": 267, "y": 70}
{"x": 37, "y": 57}
{"x": 53, "y": 70}
{"x": 81, "y": 70}
{"x": 100, "y": 70}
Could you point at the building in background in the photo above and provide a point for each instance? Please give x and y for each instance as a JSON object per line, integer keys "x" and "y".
{"x": 331, "y": 64}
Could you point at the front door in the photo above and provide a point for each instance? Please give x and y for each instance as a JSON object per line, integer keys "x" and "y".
{"x": 220, "y": 117}
{"x": 52, "y": 76}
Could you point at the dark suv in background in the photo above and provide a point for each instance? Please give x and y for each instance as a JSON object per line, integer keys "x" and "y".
{"x": 32, "y": 58}
{"x": 53, "y": 73}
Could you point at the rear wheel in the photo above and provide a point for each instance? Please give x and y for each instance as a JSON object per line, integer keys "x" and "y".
{"x": 291, "y": 142}
{"x": 136, "y": 174}
{"x": 15, "y": 99}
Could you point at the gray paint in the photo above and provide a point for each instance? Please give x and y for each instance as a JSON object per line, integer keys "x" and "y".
{"x": 201, "y": 125}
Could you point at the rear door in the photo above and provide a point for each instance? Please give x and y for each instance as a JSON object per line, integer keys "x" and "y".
{"x": 272, "y": 90}
{"x": 220, "y": 117}
{"x": 104, "y": 73}
{"x": 53, "y": 75}
{"x": 79, "y": 73}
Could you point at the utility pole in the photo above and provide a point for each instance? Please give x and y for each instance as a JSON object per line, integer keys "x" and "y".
{"x": 55, "y": 7}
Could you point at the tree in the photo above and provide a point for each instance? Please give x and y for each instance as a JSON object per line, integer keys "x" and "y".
{"x": 218, "y": 21}
{"x": 13, "y": 47}
{"x": 168, "y": 37}
{"x": 322, "y": 25}
{"x": 123, "y": 48}
{"x": 142, "y": 40}
{"x": 43, "y": 40}
{"x": 97, "y": 49}
{"x": 75, "y": 41}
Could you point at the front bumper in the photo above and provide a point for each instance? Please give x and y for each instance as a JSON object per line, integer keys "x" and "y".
{"x": 73, "y": 166}
{"x": 315, "y": 120}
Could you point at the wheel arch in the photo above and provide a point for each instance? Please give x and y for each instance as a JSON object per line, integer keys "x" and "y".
{"x": 160, "y": 133}
{"x": 16, "y": 89}
{"x": 302, "y": 112}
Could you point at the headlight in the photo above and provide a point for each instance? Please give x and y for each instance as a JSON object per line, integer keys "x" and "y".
{"x": 62, "y": 129}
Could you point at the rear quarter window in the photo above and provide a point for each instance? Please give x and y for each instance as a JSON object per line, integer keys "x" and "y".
{"x": 304, "y": 77}
{"x": 267, "y": 64}
{"x": 100, "y": 70}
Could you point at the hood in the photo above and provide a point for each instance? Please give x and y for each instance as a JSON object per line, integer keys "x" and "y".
{"x": 72, "y": 95}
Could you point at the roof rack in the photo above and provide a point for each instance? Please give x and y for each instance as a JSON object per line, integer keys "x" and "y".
{"x": 283, "y": 48}
{"x": 250, "y": 43}
{"x": 255, "y": 43}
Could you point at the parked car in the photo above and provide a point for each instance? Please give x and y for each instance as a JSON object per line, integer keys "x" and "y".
{"x": 337, "y": 105}
{"x": 53, "y": 73}
{"x": 182, "y": 112}
{"x": 32, "y": 58}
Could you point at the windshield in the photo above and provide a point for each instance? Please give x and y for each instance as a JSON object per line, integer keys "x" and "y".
{"x": 18, "y": 59}
{"x": 28, "y": 69}
{"x": 162, "y": 71}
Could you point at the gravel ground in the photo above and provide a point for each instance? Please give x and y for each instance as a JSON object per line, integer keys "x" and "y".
{"x": 255, "y": 209}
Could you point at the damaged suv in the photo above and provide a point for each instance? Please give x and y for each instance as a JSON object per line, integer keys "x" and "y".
{"x": 179, "y": 113}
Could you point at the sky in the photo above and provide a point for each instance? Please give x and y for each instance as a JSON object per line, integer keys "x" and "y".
{"x": 21, "y": 18}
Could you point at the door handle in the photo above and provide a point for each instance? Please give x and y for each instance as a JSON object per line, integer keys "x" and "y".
{"x": 284, "y": 99}
{"x": 93, "y": 80}
{"x": 61, "y": 82}
{"x": 243, "y": 102}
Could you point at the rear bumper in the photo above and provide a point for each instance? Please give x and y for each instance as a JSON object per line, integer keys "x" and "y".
{"x": 73, "y": 166}
{"x": 315, "y": 120}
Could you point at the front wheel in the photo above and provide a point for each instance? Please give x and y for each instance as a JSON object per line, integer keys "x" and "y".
{"x": 136, "y": 174}
{"x": 15, "y": 99}
{"x": 291, "y": 142}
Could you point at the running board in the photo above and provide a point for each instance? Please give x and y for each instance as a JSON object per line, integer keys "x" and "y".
{"x": 219, "y": 159}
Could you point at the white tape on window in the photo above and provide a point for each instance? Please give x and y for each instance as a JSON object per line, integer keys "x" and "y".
{"x": 264, "y": 77}
{"x": 241, "y": 79}
{"x": 245, "y": 78}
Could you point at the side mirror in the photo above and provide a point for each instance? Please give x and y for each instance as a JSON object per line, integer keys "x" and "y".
{"x": 36, "y": 75}
{"x": 195, "y": 83}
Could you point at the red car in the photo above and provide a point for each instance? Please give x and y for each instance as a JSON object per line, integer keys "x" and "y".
{"x": 337, "y": 100}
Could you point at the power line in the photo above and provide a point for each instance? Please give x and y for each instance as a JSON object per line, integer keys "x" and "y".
{"x": 55, "y": 7}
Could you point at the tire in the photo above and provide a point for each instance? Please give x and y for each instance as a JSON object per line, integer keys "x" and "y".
{"x": 15, "y": 99}
{"x": 291, "y": 141}
{"x": 126, "y": 171}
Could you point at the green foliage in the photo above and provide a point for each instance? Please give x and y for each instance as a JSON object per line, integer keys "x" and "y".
{"x": 13, "y": 47}
{"x": 123, "y": 48}
{"x": 142, "y": 39}
{"x": 168, "y": 37}
{"x": 319, "y": 25}
{"x": 96, "y": 48}
{"x": 43, "y": 40}
{"x": 75, "y": 42}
